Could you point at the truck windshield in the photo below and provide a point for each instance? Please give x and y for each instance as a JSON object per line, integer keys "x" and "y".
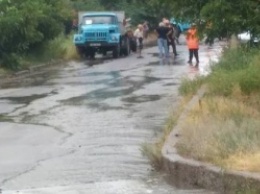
{"x": 88, "y": 20}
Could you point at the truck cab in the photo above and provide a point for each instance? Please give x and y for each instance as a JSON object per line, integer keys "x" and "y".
{"x": 100, "y": 32}
{"x": 183, "y": 25}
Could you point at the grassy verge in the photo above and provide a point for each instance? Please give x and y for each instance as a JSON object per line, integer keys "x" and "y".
{"x": 224, "y": 128}
{"x": 60, "y": 48}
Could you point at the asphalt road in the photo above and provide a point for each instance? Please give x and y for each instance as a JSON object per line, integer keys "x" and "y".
{"x": 79, "y": 128}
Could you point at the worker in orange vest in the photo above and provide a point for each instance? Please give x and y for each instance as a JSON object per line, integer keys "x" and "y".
{"x": 193, "y": 43}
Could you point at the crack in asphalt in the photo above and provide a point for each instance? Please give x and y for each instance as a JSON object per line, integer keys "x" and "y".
{"x": 33, "y": 168}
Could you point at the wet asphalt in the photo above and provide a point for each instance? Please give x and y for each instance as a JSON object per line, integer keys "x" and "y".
{"x": 79, "y": 128}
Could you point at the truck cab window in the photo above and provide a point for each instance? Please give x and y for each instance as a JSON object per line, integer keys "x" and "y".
{"x": 88, "y": 20}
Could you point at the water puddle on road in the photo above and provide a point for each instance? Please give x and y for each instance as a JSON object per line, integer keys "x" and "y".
{"x": 24, "y": 99}
{"x": 116, "y": 87}
{"x": 142, "y": 98}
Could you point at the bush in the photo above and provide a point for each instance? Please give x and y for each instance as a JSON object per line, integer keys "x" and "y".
{"x": 26, "y": 25}
{"x": 237, "y": 67}
{"x": 61, "y": 47}
{"x": 250, "y": 78}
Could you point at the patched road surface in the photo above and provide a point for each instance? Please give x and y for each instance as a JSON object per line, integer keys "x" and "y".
{"x": 78, "y": 129}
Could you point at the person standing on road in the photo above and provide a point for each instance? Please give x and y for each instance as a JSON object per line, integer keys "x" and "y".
{"x": 146, "y": 29}
{"x": 177, "y": 31}
{"x": 171, "y": 39}
{"x": 162, "y": 32}
{"x": 193, "y": 43}
{"x": 210, "y": 34}
{"x": 139, "y": 35}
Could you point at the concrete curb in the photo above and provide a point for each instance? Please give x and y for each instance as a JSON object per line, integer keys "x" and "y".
{"x": 202, "y": 174}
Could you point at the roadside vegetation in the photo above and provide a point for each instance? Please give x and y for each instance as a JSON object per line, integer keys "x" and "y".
{"x": 224, "y": 128}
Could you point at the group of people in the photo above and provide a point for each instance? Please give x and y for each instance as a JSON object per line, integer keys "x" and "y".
{"x": 167, "y": 36}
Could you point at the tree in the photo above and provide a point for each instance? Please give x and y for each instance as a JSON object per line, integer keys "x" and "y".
{"x": 235, "y": 16}
{"x": 27, "y": 23}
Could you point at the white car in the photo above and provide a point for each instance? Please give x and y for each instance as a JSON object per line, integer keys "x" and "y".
{"x": 246, "y": 36}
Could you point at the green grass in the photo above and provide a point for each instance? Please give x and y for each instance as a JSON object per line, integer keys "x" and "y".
{"x": 61, "y": 48}
{"x": 190, "y": 87}
{"x": 225, "y": 127}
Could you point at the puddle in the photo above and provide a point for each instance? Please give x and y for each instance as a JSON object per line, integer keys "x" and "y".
{"x": 4, "y": 118}
{"x": 154, "y": 54}
{"x": 142, "y": 98}
{"x": 24, "y": 99}
{"x": 153, "y": 63}
{"x": 171, "y": 84}
{"x": 103, "y": 107}
{"x": 34, "y": 79}
{"x": 113, "y": 90}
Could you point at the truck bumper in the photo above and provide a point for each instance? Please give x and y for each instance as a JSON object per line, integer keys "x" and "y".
{"x": 97, "y": 44}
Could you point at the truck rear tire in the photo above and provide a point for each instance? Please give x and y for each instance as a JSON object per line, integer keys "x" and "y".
{"x": 133, "y": 44}
{"x": 116, "y": 51}
{"x": 126, "y": 50}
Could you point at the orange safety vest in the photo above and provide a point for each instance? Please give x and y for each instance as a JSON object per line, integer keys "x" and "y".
{"x": 192, "y": 39}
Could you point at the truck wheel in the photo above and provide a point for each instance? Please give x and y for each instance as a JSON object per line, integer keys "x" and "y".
{"x": 127, "y": 50}
{"x": 116, "y": 51}
{"x": 80, "y": 51}
{"x": 133, "y": 45}
{"x": 104, "y": 53}
{"x": 92, "y": 54}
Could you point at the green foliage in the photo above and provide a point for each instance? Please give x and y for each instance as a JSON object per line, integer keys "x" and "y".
{"x": 190, "y": 87}
{"x": 150, "y": 10}
{"x": 88, "y": 5}
{"x": 27, "y": 24}
{"x": 233, "y": 15}
{"x": 226, "y": 16}
{"x": 250, "y": 80}
{"x": 61, "y": 47}
{"x": 236, "y": 68}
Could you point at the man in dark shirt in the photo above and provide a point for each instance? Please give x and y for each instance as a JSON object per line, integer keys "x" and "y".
{"x": 162, "y": 41}
{"x": 171, "y": 39}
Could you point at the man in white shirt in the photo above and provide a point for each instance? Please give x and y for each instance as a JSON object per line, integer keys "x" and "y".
{"x": 139, "y": 35}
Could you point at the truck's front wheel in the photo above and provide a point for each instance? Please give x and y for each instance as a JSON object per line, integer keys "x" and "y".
{"x": 81, "y": 51}
{"x": 116, "y": 51}
{"x": 90, "y": 52}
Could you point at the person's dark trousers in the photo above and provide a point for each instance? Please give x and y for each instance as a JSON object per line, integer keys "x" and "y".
{"x": 194, "y": 52}
{"x": 172, "y": 43}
